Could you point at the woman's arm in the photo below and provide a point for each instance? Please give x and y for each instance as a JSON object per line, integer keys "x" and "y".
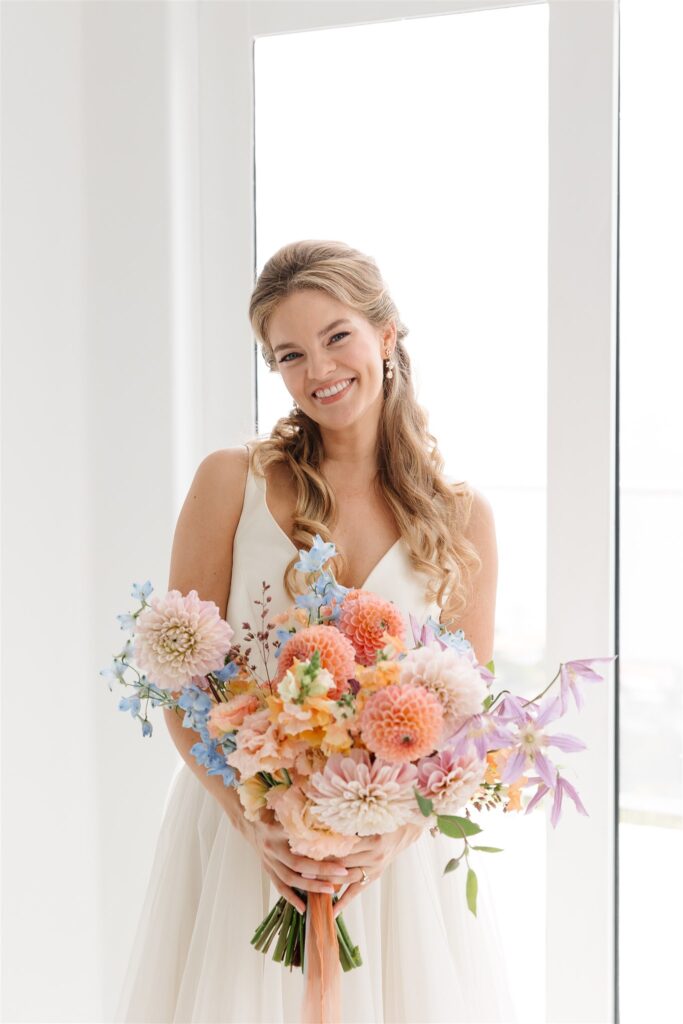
{"x": 478, "y": 622}
{"x": 201, "y": 560}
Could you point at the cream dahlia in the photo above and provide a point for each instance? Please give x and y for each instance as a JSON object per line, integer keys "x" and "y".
{"x": 354, "y": 794}
{"x": 178, "y": 637}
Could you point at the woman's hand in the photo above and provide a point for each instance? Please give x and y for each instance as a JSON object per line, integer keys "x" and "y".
{"x": 288, "y": 870}
{"x": 374, "y": 853}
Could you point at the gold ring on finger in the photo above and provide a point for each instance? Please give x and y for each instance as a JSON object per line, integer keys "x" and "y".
{"x": 364, "y": 879}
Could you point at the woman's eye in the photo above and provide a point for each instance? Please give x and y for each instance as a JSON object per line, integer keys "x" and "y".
{"x": 341, "y": 334}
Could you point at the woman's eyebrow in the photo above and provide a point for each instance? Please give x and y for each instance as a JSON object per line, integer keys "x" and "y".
{"x": 335, "y": 323}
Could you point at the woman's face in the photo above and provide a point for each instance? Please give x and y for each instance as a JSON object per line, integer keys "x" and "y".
{"x": 311, "y": 355}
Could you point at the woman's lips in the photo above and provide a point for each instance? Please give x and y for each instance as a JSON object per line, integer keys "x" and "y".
{"x": 337, "y": 396}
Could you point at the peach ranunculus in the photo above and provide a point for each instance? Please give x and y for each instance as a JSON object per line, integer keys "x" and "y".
{"x": 306, "y": 721}
{"x": 252, "y": 794}
{"x": 260, "y": 746}
{"x": 226, "y": 716}
{"x": 308, "y": 837}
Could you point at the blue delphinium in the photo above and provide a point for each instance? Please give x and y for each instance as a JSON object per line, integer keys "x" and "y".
{"x": 316, "y": 556}
{"x": 197, "y": 705}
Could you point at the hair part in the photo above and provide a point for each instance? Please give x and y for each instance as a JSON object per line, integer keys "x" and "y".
{"x": 431, "y": 514}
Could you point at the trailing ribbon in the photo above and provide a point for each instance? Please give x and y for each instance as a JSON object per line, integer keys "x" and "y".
{"x": 322, "y": 987}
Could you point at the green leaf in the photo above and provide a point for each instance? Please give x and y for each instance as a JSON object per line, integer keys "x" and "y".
{"x": 491, "y": 667}
{"x": 488, "y": 701}
{"x": 454, "y": 827}
{"x": 488, "y": 849}
{"x": 471, "y": 889}
{"x": 453, "y": 863}
{"x": 425, "y": 804}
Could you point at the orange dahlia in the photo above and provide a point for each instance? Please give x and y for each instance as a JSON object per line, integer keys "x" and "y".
{"x": 365, "y": 618}
{"x": 402, "y": 722}
{"x": 337, "y": 655}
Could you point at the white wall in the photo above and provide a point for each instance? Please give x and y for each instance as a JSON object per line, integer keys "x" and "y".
{"x": 127, "y": 202}
{"x": 105, "y": 218}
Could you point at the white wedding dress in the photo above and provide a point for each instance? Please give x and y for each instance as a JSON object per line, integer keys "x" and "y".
{"x": 426, "y": 957}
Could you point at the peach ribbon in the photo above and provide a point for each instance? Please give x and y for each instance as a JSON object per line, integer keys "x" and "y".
{"x": 322, "y": 992}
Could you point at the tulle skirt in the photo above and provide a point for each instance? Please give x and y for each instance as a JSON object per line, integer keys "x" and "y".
{"x": 426, "y": 957}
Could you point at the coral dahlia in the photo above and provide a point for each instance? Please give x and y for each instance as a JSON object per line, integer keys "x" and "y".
{"x": 401, "y": 722}
{"x": 365, "y": 618}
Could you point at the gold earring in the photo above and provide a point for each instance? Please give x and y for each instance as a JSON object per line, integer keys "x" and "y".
{"x": 389, "y": 369}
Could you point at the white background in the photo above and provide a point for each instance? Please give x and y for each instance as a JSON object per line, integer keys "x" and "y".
{"x": 128, "y": 256}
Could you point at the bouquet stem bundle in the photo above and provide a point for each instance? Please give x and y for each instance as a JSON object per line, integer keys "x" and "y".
{"x": 289, "y": 925}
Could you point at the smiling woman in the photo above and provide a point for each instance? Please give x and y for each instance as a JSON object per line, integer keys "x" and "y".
{"x": 368, "y": 437}
{"x": 353, "y": 462}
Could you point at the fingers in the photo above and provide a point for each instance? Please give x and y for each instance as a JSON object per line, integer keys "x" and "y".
{"x": 350, "y": 893}
{"x": 306, "y": 866}
{"x": 288, "y": 893}
{"x": 294, "y": 879}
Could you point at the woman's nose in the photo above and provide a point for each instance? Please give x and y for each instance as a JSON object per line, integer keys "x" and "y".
{"x": 320, "y": 366}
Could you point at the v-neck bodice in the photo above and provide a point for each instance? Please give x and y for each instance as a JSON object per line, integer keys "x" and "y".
{"x": 262, "y": 551}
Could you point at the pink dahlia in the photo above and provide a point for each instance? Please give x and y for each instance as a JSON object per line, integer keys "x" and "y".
{"x": 401, "y": 723}
{"x": 337, "y": 655}
{"x": 449, "y": 676}
{"x": 450, "y": 779}
{"x": 179, "y": 637}
{"x": 354, "y": 794}
{"x": 365, "y": 618}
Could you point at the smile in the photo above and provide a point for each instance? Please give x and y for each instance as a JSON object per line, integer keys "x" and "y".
{"x": 334, "y": 391}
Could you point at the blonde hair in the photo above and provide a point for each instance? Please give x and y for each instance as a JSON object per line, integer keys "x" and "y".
{"x": 431, "y": 514}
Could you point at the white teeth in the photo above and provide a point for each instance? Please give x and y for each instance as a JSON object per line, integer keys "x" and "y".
{"x": 333, "y": 390}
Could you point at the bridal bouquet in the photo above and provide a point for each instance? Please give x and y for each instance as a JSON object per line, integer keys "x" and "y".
{"x": 356, "y": 734}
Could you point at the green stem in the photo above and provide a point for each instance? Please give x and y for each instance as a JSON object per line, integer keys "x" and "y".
{"x": 355, "y": 951}
{"x": 268, "y": 918}
{"x": 345, "y": 950}
{"x": 284, "y": 933}
{"x": 293, "y": 932}
{"x": 302, "y": 937}
{"x": 273, "y": 926}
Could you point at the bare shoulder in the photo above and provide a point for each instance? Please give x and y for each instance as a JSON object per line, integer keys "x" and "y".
{"x": 201, "y": 556}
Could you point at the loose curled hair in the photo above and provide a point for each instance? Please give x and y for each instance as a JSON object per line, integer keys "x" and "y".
{"x": 431, "y": 514}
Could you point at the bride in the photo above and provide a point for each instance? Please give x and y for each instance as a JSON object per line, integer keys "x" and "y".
{"x": 353, "y": 461}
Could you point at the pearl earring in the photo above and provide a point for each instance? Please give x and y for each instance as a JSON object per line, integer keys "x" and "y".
{"x": 389, "y": 365}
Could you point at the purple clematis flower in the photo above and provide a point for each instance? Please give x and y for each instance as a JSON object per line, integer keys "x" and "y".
{"x": 531, "y": 738}
{"x": 485, "y": 732}
{"x": 572, "y": 671}
{"x": 561, "y": 787}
